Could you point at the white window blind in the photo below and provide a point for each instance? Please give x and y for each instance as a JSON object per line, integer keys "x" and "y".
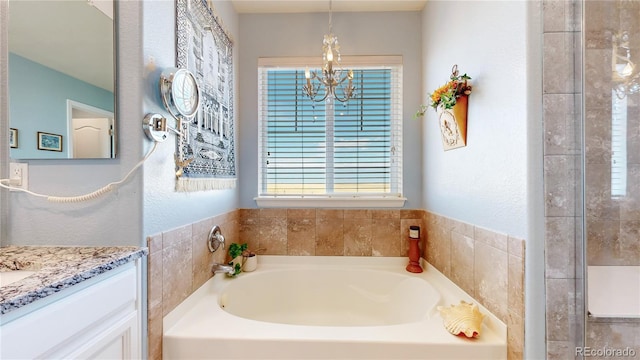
{"x": 618, "y": 146}
{"x": 330, "y": 149}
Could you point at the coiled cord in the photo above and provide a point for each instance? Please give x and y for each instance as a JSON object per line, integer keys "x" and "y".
{"x": 86, "y": 197}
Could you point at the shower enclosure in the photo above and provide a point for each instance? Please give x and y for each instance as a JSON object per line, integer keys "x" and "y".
{"x": 591, "y": 99}
{"x": 612, "y": 176}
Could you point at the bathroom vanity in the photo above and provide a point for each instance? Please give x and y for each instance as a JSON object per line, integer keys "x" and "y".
{"x": 72, "y": 302}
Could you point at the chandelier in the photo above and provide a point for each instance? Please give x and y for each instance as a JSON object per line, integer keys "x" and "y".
{"x": 625, "y": 81}
{"x": 333, "y": 76}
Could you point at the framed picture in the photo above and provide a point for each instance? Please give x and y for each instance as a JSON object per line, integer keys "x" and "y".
{"x": 13, "y": 137}
{"x": 49, "y": 142}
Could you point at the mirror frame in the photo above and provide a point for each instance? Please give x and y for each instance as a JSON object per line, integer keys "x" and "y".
{"x": 116, "y": 117}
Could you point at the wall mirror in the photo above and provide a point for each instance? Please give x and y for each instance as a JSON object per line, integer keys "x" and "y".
{"x": 62, "y": 79}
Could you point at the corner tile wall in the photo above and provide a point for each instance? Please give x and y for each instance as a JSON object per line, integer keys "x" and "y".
{"x": 179, "y": 262}
{"x": 562, "y": 176}
{"x": 487, "y": 265}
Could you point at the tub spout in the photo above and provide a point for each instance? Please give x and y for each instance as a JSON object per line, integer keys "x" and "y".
{"x": 224, "y": 269}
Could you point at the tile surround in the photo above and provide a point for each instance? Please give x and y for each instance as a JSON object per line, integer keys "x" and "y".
{"x": 486, "y": 264}
{"x": 179, "y": 262}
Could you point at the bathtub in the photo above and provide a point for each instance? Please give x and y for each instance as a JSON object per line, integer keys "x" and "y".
{"x": 321, "y": 307}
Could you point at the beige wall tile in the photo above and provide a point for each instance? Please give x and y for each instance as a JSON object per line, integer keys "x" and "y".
{"x": 177, "y": 272}
{"x": 174, "y": 236}
{"x": 385, "y": 214}
{"x": 460, "y": 227}
{"x": 516, "y": 285}
{"x": 559, "y": 124}
{"x": 154, "y": 280}
{"x": 249, "y": 213}
{"x": 154, "y": 243}
{"x": 556, "y": 15}
{"x": 494, "y": 239}
{"x": 560, "y": 298}
{"x": 411, "y": 213}
{"x": 630, "y": 205}
{"x": 462, "y": 262}
{"x": 560, "y": 350}
{"x": 281, "y": 213}
{"x": 516, "y": 247}
{"x": 154, "y": 333}
{"x": 491, "y": 278}
{"x": 301, "y": 213}
{"x": 560, "y": 237}
{"x": 385, "y": 236}
{"x": 329, "y": 235}
{"x": 357, "y": 214}
{"x": 301, "y": 234}
{"x": 357, "y": 236}
{"x": 558, "y": 75}
{"x": 273, "y": 235}
{"x": 616, "y": 335}
{"x": 515, "y": 336}
{"x": 202, "y": 259}
{"x": 330, "y": 214}
{"x": 439, "y": 249}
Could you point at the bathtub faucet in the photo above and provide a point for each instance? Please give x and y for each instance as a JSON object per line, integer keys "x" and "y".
{"x": 222, "y": 269}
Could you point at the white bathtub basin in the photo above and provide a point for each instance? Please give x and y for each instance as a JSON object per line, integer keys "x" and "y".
{"x": 331, "y": 297}
{"x": 8, "y": 277}
{"x": 326, "y": 308}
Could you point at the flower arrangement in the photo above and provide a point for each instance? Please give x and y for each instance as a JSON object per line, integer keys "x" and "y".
{"x": 447, "y": 94}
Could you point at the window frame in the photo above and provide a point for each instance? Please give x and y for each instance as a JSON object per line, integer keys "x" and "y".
{"x": 333, "y": 200}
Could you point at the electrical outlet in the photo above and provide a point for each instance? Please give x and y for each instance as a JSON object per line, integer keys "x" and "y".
{"x": 19, "y": 175}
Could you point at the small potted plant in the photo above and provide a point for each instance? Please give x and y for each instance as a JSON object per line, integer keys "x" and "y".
{"x": 235, "y": 253}
{"x": 242, "y": 258}
{"x": 250, "y": 259}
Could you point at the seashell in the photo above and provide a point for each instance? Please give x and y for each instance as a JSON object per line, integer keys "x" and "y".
{"x": 464, "y": 318}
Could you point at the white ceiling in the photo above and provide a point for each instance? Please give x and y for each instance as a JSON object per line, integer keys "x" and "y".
{"x": 299, "y": 6}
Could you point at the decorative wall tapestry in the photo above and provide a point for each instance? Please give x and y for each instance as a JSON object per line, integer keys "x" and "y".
{"x": 205, "y": 49}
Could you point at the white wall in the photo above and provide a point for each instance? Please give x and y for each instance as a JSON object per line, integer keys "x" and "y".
{"x": 484, "y": 183}
{"x": 278, "y": 35}
{"x": 163, "y": 207}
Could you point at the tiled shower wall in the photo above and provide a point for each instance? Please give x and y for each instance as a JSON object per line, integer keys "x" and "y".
{"x": 562, "y": 176}
{"x": 613, "y": 224}
{"x": 486, "y": 264}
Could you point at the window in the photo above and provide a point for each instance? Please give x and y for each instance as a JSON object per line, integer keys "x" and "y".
{"x": 330, "y": 150}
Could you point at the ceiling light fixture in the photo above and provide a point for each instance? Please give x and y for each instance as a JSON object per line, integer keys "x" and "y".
{"x": 332, "y": 73}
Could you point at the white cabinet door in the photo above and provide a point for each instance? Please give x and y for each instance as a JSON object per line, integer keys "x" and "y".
{"x": 101, "y": 321}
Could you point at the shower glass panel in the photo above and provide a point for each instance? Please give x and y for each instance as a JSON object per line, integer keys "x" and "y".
{"x": 612, "y": 176}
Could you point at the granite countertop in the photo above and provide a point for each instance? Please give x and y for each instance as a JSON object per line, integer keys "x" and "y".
{"x": 57, "y": 268}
